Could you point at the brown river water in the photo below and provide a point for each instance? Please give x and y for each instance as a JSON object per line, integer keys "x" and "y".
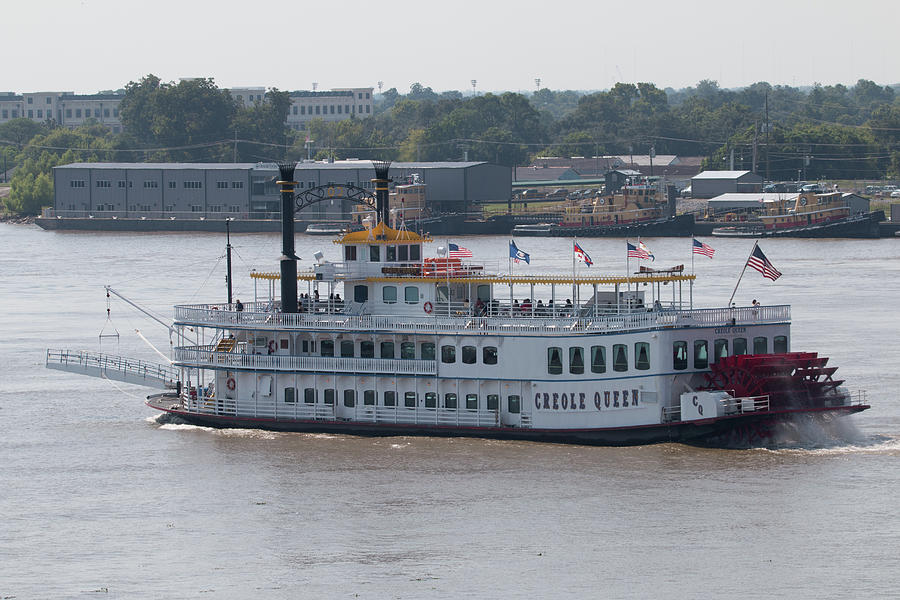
{"x": 101, "y": 499}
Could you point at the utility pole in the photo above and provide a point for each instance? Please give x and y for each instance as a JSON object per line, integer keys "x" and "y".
{"x": 755, "y": 142}
{"x": 768, "y": 172}
{"x": 474, "y": 83}
{"x": 234, "y": 152}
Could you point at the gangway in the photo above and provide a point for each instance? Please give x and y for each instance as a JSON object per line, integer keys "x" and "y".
{"x": 108, "y": 366}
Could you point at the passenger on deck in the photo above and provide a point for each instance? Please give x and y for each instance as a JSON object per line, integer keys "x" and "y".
{"x": 569, "y": 306}
{"x": 238, "y": 306}
{"x": 479, "y": 308}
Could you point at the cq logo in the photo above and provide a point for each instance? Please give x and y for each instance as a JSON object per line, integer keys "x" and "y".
{"x": 698, "y": 405}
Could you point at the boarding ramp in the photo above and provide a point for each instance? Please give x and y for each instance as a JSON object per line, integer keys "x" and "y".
{"x": 108, "y": 366}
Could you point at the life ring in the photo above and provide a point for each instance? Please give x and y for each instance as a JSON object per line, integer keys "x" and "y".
{"x": 602, "y": 200}
{"x": 272, "y": 347}
{"x": 229, "y": 383}
{"x": 428, "y": 307}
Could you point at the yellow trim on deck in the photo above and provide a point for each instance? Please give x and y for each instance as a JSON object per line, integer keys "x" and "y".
{"x": 504, "y": 279}
{"x": 381, "y": 234}
{"x": 538, "y": 279}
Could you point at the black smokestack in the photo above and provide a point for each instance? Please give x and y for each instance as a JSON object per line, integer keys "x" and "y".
{"x": 381, "y": 181}
{"x": 288, "y": 258}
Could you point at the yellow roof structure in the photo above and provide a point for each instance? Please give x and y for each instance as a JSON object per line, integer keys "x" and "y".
{"x": 381, "y": 234}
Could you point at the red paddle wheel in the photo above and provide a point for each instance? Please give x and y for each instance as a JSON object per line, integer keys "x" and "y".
{"x": 792, "y": 380}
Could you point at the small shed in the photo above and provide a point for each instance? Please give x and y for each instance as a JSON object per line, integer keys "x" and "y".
{"x": 858, "y": 204}
{"x": 710, "y": 184}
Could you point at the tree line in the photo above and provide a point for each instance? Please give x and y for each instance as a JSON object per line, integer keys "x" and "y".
{"x": 833, "y": 131}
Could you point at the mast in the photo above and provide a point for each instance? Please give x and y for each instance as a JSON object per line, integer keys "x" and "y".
{"x": 228, "y": 257}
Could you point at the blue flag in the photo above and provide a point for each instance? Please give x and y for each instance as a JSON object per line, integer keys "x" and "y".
{"x": 517, "y": 254}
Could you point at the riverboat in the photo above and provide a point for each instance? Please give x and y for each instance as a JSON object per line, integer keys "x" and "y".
{"x": 444, "y": 346}
{"x": 808, "y": 215}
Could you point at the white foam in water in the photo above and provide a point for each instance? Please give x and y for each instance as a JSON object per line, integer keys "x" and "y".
{"x": 837, "y": 436}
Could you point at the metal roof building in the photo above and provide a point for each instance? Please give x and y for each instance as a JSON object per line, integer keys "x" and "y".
{"x": 710, "y": 184}
{"x": 248, "y": 190}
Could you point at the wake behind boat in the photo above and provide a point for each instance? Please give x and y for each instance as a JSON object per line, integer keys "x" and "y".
{"x": 442, "y": 346}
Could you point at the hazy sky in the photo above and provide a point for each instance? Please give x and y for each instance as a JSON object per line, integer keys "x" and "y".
{"x": 88, "y": 45}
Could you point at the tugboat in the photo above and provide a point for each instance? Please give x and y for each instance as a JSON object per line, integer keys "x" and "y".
{"x": 630, "y": 210}
{"x": 809, "y": 215}
{"x": 441, "y": 346}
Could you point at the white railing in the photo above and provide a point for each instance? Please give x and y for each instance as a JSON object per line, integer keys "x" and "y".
{"x": 267, "y": 408}
{"x": 206, "y": 356}
{"x": 254, "y": 317}
{"x": 126, "y": 369}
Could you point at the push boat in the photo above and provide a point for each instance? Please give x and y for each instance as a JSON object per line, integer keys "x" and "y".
{"x": 808, "y": 215}
{"x": 633, "y": 207}
{"x": 440, "y": 346}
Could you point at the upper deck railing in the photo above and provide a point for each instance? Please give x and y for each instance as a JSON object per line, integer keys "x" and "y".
{"x": 255, "y": 316}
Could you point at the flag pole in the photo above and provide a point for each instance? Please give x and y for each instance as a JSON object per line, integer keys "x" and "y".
{"x": 747, "y": 262}
{"x": 574, "y": 243}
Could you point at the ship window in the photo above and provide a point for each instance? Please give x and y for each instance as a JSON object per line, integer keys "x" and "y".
{"x": 411, "y": 294}
{"x": 326, "y": 348}
{"x": 349, "y": 398}
{"x": 285, "y": 344}
{"x": 760, "y": 345}
{"x": 554, "y": 360}
{"x": 389, "y": 294}
{"x": 347, "y": 349}
{"x": 409, "y": 399}
{"x": 441, "y": 294}
{"x": 391, "y": 254}
{"x": 349, "y": 252}
{"x": 642, "y": 356}
{"x": 720, "y": 350}
{"x": 740, "y": 346}
{"x": 620, "y": 357}
{"x": 598, "y": 359}
{"x": 430, "y": 400}
{"x": 471, "y": 401}
{"x": 309, "y": 395}
{"x": 305, "y": 346}
{"x": 290, "y": 395}
{"x": 367, "y": 349}
{"x": 415, "y": 252}
{"x": 483, "y": 293}
{"x": 780, "y": 344}
{"x": 408, "y": 350}
{"x": 679, "y": 356}
{"x": 489, "y": 355}
{"x": 493, "y": 402}
{"x": 404, "y": 253}
{"x": 514, "y": 404}
{"x": 390, "y": 398}
{"x": 374, "y": 253}
{"x": 360, "y": 293}
{"x": 369, "y": 397}
{"x": 450, "y": 401}
{"x": 329, "y": 396}
{"x": 469, "y": 355}
{"x": 576, "y": 360}
{"x": 701, "y": 354}
{"x": 448, "y": 354}
{"x": 427, "y": 351}
{"x": 387, "y": 349}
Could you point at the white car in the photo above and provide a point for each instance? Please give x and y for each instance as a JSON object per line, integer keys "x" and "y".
{"x": 895, "y": 194}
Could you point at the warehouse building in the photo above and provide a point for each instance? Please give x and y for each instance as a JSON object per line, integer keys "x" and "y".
{"x": 249, "y": 190}
{"x": 710, "y": 184}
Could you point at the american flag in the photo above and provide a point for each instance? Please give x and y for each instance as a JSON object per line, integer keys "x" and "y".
{"x": 762, "y": 264}
{"x": 704, "y": 249}
{"x": 639, "y": 251}
{"x": 459, "y": 251}
{"x": 635, "y": 252}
